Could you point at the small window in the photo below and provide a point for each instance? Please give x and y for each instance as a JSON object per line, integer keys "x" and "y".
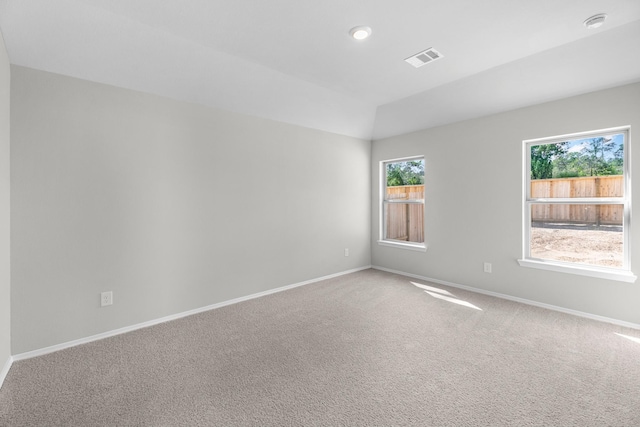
{"x": 402, "y": 210}
{"x": 577, "y": 204}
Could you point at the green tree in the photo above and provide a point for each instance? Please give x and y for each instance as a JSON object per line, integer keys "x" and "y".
{"x": 570, "y": 165}
{"x": 618, "y": 158}
{"x": 542, "y": 157}
{"x": 596, "y": 156}
{"x": 594, "y": 152}
{"x": 405, "y": 173}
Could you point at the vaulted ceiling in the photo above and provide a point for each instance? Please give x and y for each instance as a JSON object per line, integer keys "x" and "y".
{"x": 294, "y": 60}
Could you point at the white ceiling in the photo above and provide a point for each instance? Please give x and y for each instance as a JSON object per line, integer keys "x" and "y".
{"x": 293, "y": 60}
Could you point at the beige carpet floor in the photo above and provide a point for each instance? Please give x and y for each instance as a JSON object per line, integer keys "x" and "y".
{"x": 369, "y": 348}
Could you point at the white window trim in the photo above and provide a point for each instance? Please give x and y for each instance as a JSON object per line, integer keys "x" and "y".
{"x": 580, "y": 269}
{"x": 420, "y": 247}
{"x": 412, "y": 246}
{"x": 623, "y": 274}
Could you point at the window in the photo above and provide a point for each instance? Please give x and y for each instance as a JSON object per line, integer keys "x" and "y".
{"x": 402, "y": 207}
{"x": 577, "y": 204}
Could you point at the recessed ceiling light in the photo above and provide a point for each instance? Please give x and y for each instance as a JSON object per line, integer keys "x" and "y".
{"x": 360, "y": 33}
{"x": 595, "y": 21}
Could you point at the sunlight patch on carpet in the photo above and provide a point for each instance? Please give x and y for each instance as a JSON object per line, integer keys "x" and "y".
{"x": 444, "y": 295}
{"x": 432, "y": 289}
{"x": 634, "y": 339}
{"x": 453, "y": 300}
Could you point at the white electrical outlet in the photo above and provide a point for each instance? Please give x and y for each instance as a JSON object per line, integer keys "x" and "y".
{"x": 487, "y": 267}
{"x": 346, "y": 251}
{"x": 106, "y": 298}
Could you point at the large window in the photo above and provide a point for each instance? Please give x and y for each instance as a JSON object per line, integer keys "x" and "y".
{"x": 402, "y": 207}
{"x": 577, "y": 204}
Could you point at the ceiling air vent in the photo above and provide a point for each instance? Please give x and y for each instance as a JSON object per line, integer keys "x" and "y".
{"x": 424, "y": 57}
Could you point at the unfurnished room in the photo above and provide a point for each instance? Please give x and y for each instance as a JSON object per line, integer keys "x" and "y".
{"x": 319, "y": 213}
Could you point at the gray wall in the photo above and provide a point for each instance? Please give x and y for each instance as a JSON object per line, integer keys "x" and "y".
{"x": 172, "y": 206}
{"x": 473, "y": 209}
{"x": 5, "y": 324}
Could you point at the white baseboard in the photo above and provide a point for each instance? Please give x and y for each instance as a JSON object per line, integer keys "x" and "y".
{"x": 62, "y": 346}
{"x": 5, "y": 370}
{"x": 516, "y": 299}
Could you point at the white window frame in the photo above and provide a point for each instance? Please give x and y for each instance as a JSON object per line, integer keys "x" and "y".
{"x": 413, "y": 246}
{"x": 621, "y": 274}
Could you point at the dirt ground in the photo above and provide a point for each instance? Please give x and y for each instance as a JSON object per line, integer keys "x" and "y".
{"x": 595, "y": 247}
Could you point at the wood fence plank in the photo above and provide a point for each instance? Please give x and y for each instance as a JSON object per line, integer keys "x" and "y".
{"x": 590, "y": 186}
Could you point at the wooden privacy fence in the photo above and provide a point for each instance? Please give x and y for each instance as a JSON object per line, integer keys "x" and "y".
{"x": 590, "y": 186}
{"x": 405, "y": 221}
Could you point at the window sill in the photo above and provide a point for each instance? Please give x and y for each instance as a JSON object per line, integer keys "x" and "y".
{"x": 420, "y": 247}
{"x": 602, "y": 273}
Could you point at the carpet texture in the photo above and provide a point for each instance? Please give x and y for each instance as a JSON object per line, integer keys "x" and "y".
{"x": 368, "y": 348}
